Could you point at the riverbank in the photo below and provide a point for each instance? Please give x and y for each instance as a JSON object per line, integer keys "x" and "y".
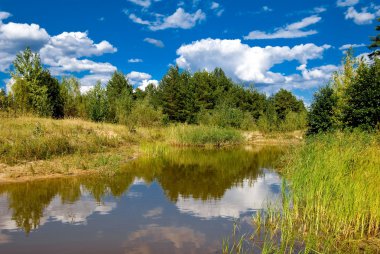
{"x": 32, "y": 147}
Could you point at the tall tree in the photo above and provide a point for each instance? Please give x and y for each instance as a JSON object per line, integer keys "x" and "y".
{"x": 119, "y": 94}
{"x": 285, "y": 102}
{"x": 97, "y": 103}
{"x": 71, "y": 97}
{"x": 320, "y": 116}
{"x": 33, "y": 84}
{"x": 55, "y": 101}
{"x": 362, "y": 108}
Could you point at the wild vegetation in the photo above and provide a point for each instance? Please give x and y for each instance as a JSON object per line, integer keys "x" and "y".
{"x": 331, "y": 195}
{"x": 202, "y": 98}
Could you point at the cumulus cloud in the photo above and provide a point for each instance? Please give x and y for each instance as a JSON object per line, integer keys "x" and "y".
{"x": 141, "y": 79}
{"x": 345, "y": 3}
{"x": 243, "y": 62}
{"x": 155, "y": 42}
{"x": 179, "y": 19}
{"x": 64, "y": 53}
{"x": 360, "y": 18}
{"x": 293, "y": 30}
{"x": 15, "y": 37}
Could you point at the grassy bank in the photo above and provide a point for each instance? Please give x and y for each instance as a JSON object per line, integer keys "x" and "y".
{"x": 331, "y": 201}
{"x": 32, "y": 147}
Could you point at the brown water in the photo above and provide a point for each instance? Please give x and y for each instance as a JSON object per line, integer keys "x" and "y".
{"x": 181, "y": 201}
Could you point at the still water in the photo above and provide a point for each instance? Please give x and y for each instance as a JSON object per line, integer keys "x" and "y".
{"x": 180, "y": 201}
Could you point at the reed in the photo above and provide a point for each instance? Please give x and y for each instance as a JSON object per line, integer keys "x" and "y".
{"x": 331, "y": 198}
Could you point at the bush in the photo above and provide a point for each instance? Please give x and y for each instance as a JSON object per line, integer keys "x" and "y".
{"x": 144, "y": 115}
{"x": 189, "y": 135}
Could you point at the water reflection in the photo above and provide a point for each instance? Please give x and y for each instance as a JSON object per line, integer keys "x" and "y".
{"x": 151, "y": 204}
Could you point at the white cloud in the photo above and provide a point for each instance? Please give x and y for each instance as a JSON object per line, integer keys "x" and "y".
{"x": 214, "y": 5}
{"x": 290, "y": 31}
{"x": 63, "y": 53}
{"x": 345, "y": 3}
{"x": 243, "y": 62}
{"x": 237, "y": 200}
{"x": 135, "y": 60}
{"x": 145, "y": 83}
{"x": 360, "y": 18}
{"x": 318, "y": 10}
{"x": 15, "y": 37}
{"x": 142, "y": 3}
{"x": 88, "y": 81}
{"x": 141, "y": 79}
{"x": 138, "y": 20}
{"x": 179, "y": 19}
{"x": 4, "y": 15}
{"x": 317, "y": 73}
{"x": 135, "y": 76}
{"x": 347, "y": 46}
{"x": 155, "y": 42}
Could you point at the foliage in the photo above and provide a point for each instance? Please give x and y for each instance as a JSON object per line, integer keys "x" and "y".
{"x": 71, "y": 97}
{"x": 320, "y": 116}
{"x": 362, "y": 108}
{"x": 187, "y": 135}
{"x": 97, "y": 103}
{"x": 144, "y": 115}
{"x": 119, "y": 95}
{"x": 285, "y": 102}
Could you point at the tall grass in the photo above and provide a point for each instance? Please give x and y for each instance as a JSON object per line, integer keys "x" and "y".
{"x": 191, "y": 135}
{"x": 331, "y": 199}
{"x": 29, "y": 139}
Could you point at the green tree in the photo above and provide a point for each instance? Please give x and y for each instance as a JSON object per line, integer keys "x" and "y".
{"x": 342, "y": 80}
{"x": 97, "y": 103}
{"x": 320, "y": 116}
{"x": 285, "y": 102}
{"x": 173, "y": 94}
{"x": 71, "y": 97}
{"x": 362, "y": 108}
{"x": 119, "y": 94}
{"x": 33, "y": 85}
{"x": 54, "y": 98}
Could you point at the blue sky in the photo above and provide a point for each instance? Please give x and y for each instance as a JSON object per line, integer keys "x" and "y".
{"x": 274, "y": 44}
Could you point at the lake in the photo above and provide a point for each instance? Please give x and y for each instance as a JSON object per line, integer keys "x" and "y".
{"x": 179, "y": 201}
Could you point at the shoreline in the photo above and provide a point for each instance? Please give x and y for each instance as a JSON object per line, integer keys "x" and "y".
{"x": 96, "y": 148}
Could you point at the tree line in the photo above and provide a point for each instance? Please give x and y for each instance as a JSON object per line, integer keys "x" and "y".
{"x": 209, "y": 98}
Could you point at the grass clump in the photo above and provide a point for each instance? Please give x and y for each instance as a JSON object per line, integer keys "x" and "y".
{"x": 187, "y": 135}
{"x": 331, "y": 201}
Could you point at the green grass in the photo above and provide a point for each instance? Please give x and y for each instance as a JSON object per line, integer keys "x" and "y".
{"x": 331, "y": 199}
{"x": 30, "y": 139}
{"x": 191, "y": 135}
